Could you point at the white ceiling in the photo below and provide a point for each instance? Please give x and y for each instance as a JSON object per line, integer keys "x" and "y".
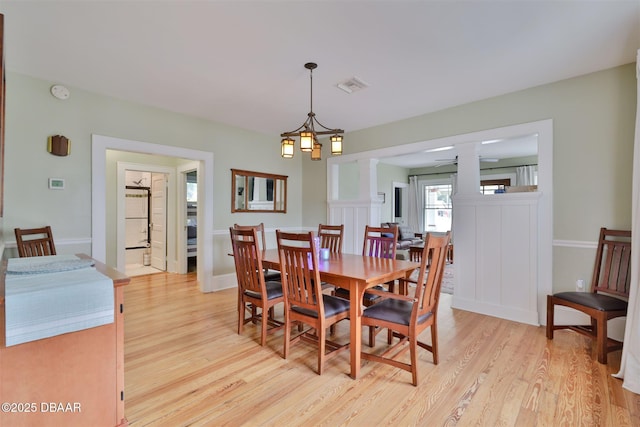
{"x": 241, "y": 62}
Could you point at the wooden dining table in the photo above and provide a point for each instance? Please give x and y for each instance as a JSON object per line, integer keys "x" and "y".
{"x": 355, "y": 273}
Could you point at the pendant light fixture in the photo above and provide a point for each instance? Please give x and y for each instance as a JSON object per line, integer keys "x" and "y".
{"x": 307, "y": 131}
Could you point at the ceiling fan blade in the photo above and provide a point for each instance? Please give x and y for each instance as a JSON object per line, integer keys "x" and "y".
{"x": 446, "y": 163}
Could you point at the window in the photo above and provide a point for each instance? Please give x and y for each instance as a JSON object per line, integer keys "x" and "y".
{"x": 437, "y": 207}
{"x": 437, "y": 200}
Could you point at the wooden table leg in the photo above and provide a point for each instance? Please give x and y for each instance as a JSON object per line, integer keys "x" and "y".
{"x": 355, "y": 313}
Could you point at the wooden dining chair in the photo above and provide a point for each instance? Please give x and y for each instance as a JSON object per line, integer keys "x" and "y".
{"x": 379, "y": 242}
{"x": 331, "y": 237}
{"x": 269, "y": 275}
{"x": 35, "y": 241}
{"x": 610, "y": 282}
{"x": 406, "y": 317}
{"x": 253, "y": 291}
{"x": 304, "y": 301}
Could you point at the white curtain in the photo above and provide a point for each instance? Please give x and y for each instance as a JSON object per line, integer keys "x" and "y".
{"x": 416, "y": 205}
{"x": 526, "y": 175}
{"x": 454, "y": 183}
{"x": 630, "y": 364}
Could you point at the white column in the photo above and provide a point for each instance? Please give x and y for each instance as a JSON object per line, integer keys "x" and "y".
{"x": 333, "y": 185}
{"x": 468, "y": 181}
{"x": 368, "y": 179}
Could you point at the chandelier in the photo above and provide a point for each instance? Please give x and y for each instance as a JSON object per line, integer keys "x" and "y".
{"x": 308, "y": 133}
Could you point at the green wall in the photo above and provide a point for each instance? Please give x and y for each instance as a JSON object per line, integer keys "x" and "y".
{"x": 32, "y": 115}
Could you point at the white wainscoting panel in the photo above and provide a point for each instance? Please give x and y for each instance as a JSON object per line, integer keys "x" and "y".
{"x": 355, "y": 215}
{"x": 496, "y": 268}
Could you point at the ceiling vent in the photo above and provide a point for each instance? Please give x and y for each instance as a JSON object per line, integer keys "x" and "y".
{"x": 354, "y": 84}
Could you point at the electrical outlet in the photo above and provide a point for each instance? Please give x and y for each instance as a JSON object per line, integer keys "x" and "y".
{"x": 579, "y": 285}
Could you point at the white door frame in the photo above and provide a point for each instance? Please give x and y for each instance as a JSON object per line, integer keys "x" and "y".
{"x": 181, "y": 252}
{"x": 404, "y": 187}
{"x": 123, "y": 167}
{"x": 99, "y": 146}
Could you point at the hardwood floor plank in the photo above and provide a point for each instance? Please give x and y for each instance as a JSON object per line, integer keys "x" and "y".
{"x": 186, "y": 365}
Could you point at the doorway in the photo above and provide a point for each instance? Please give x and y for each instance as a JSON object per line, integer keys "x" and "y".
{"x": 104, "y": 216}
{"x": 191, "y": 191}
{"x": 145, "y": 219}
{"x": 400, "y": 202}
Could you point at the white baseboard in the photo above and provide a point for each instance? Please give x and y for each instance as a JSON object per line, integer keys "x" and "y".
{"x": 501, "y": 311}
{"x": 223, "y": 281}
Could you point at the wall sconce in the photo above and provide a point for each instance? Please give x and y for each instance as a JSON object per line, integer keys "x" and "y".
{"x": 59, "y": 145}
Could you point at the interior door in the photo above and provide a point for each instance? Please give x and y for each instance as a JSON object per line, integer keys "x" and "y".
{"x": 159, "y": 221}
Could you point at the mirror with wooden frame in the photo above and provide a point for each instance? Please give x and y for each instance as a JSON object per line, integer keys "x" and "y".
{"x": 258, "y": 192}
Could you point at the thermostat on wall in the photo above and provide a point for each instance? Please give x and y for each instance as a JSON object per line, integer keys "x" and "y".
{"x": 56, "y": 184}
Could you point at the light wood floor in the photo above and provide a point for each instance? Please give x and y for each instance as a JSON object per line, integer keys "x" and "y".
{"x": 186, "y": 365}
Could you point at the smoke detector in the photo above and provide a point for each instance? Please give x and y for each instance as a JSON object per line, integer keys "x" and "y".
{"x": 354, "y": 84}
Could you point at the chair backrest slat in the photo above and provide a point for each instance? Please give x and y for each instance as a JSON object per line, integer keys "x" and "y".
{"x": 301, "y": 283}
{"x": 35, "y": 241}
{"x": 380, "y": 242}
{"x": 612, "y": 271}
{"x": 331, "y": 237}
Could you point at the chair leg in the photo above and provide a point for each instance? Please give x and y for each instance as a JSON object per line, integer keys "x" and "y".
{"x": 601, "y": 339}
{"x": 240, "y": 316}
{"x": 413, "y": 342}
{"x": 392, "y": 287}
{"x": 321, "y": 333}
{"x": 254, "y": 313}
{"x": 434, "y": 342}
{"x": 265, "y": 320}
{"x": 372, "y": 336}
{"x": 287, "y": 332}
{"x": 550, "y": 310}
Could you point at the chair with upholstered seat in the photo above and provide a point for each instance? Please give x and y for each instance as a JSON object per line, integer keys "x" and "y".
{"x": 304, "y": 301}
{"x": 407, "y": 316}
{"x": 252, "y": 287}
{"x": 609, "y": 285}
{"x": 379, "y": 242}
{"x": 35, "y": 241}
